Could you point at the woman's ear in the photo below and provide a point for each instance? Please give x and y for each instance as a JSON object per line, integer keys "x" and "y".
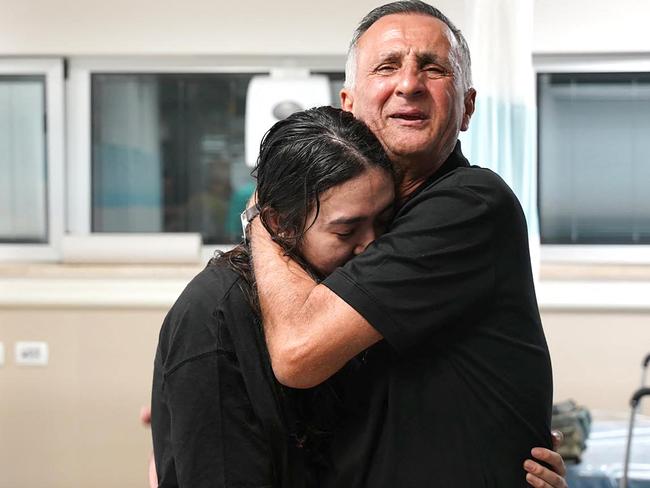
{"x": 278, "y": 229}
{"x": 271, "y": 220}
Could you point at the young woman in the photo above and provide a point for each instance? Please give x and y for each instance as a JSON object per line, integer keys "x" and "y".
{"x": 325, "y": 190}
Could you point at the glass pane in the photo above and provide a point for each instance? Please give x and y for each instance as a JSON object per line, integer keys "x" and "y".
{"x": 594, "y": 158}
{"x": 336, "y": 84}
{"x": 168, "y": 154}
{"x": 23, "y": 185}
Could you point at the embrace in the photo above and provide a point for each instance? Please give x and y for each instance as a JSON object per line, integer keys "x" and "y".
{"x": 378, "y": 327}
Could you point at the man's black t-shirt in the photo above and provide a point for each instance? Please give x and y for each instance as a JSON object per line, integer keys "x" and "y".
{"x": 461, "y": 388}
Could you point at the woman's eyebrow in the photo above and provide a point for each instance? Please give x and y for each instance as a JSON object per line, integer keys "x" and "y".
{"x": 359, "y": 218}
{"x": 347, "y": 220}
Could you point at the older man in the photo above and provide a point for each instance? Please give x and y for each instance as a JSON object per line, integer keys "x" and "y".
{"x": 460, "y": 388}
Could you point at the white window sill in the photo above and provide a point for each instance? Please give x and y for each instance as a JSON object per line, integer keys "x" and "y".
{"x": 92, "y": 286}
{"x": 588, "y": 295}
{"x": 59, "y": 286}
{"x": 566, "y": 285}
{"x": 89, "y": 293}
{"x": 596, "y": 254}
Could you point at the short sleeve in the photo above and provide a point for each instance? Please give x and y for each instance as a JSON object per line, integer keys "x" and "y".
{"x": 434, "y": 266}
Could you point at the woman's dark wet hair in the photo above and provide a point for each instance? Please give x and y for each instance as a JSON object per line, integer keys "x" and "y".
{"x": 301, "y": 157}
{"x": 304, "y": 155}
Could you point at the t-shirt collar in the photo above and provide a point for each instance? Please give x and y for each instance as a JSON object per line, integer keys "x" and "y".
{"x": 455, "y": 160}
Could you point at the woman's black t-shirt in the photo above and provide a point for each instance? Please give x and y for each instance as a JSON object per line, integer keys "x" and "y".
{"x": 219, "y": 418}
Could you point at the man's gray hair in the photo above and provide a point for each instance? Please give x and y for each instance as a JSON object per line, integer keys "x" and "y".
{"x": 408, "y": 7}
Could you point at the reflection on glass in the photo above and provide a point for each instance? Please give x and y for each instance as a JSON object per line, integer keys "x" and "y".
{"x": 337, "y": 79}
{"x": 23, "y": 181}
{"x": 594, "y": 158}
{"x": 168, "y": 154}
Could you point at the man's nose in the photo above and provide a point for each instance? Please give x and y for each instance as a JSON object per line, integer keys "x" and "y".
{"x": 410, "y": 82}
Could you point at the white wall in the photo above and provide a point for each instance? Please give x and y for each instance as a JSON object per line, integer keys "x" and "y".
{"x": 591, "y": 26}
{"x": 89, "y": 27}
{"x": 95, "y": 27}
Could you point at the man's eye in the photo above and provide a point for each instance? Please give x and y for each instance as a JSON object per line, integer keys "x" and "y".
{"x": 343, "y": 235}
{"x": 386, "y": 68}
{"x": 435, "y": 70}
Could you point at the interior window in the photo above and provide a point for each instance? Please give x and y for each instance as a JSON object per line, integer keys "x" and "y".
{"x": 168, "y": 153}
{"x": 594, "y": 158}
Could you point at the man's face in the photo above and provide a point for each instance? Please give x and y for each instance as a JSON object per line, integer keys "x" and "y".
{"x": 408, "y": 87}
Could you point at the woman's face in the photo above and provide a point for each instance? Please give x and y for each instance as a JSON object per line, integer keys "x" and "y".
{"x": 351, "y": 216}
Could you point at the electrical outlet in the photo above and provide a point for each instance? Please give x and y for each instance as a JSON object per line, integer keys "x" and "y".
{"x": 31, "y": 353}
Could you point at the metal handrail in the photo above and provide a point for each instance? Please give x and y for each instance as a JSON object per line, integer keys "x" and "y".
{"x": 634, "y": 403}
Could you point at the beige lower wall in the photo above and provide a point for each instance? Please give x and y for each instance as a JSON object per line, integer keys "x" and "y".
{"x": 75, "y": 422}
{"x": 597, "y": 356}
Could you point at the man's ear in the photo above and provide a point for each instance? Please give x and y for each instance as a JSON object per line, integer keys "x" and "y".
{"x": 347, "y": 99}
{"x": 469, "y": 105}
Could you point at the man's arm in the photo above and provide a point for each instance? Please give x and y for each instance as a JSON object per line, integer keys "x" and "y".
{"x": 310, "y": 332}
{"x": 444, "y": 244}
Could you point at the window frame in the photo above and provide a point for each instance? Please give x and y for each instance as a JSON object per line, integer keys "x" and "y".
{"x": 79, "y": 117}
{"x": 53, "y": 70}
{"x": 632, "y": 254}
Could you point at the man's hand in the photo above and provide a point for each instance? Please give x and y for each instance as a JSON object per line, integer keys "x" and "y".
{"x": 542, "y": 477}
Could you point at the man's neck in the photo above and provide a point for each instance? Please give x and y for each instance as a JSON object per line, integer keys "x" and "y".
{"x": 413, "y": 172}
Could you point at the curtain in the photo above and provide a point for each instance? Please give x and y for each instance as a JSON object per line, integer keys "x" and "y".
{"x": 23, "y": 182}
{"x": 127, "y": 164}
{"x": 502, "y": 134}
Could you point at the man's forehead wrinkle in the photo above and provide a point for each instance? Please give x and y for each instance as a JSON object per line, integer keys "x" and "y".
{"x": 395, "y": 46}
{"x": 422, "y": 57}
{"x": 420, "y": 54}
